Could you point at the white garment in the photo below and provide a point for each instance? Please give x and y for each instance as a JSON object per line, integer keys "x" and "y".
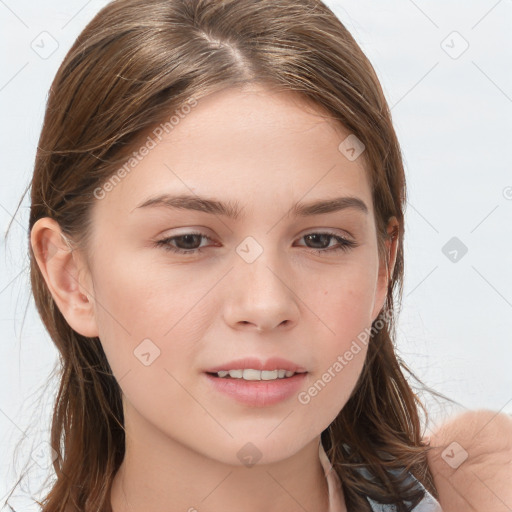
{"x": 427, "y": 504}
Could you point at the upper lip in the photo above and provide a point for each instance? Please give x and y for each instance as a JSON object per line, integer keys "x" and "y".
{"x": 274, "y": 363}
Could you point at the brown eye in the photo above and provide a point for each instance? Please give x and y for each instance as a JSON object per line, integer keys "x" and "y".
{"x": 190, "y": 242}
{"x": 323, "y": 239}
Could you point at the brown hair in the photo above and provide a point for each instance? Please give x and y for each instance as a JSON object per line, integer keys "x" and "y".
{"x": 135, "y": 64}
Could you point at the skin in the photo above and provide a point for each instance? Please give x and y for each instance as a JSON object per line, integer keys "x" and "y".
{"x": 481, "y": 482}
{"x": 267, "y": 151}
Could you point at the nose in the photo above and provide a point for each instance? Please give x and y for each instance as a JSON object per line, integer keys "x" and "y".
{"x": 261, "y": 295}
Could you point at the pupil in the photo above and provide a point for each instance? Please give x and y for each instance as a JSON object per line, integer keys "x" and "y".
{"x": 188, "y": 237}
{"x": 324, "y": 237}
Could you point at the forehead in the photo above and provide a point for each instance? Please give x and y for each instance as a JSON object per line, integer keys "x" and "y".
{"x": 253, "y": 146}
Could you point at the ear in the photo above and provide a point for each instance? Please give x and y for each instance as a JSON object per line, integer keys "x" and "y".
{"x": 386, "y": 270}
{"x": 66, "y": 275}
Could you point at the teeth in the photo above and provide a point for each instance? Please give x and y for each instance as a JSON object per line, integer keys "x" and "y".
{"x": 250, "y": 374}
{"x": 254, "y": 375}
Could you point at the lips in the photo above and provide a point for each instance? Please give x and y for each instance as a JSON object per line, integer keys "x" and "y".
{"x": 274, "y": 363}
{"x": 257, "y": 393}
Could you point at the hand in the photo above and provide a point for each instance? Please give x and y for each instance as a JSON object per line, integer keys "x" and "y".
{"x": 471, "y": 461}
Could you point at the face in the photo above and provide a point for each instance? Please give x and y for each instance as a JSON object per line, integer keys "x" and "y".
{"x": 276, "y": 280}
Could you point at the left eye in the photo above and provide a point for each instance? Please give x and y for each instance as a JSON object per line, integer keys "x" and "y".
{"x": 191, "y": 239}
{"x": 343, "y": 243}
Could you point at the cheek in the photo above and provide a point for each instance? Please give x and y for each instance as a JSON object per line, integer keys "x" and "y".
{"x": 328, "y": 390}
{"x": 343, "y": 302}
{"x": 339, "y": 362}
{"x": 343, "y": 297}
{"x": 164, "y": 306}
{"x": 150, "y": 326}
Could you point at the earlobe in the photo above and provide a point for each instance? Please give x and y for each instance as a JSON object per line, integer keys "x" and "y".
{"x": 62, "y": 267}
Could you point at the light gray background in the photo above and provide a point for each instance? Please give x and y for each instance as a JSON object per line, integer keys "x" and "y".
{"x": 451, "y": 111}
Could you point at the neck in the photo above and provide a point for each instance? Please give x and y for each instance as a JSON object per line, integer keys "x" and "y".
{"x": 159, "y": 473}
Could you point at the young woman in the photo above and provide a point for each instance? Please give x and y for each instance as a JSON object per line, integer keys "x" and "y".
{"x": 216, "y": 237}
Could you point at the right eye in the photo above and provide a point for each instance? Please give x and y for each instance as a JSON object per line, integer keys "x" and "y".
{"x": 186, "y": 239}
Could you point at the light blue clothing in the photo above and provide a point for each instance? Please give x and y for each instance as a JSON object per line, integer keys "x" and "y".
{"x": 427, "y": 504}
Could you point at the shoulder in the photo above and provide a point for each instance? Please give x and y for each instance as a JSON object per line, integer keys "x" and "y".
{"x": 471, "y": 461}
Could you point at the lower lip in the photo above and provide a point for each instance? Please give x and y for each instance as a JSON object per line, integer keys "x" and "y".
{"x": 258, "y": 393}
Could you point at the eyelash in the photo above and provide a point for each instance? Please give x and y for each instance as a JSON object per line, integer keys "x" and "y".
{"x": 344, "y": 244}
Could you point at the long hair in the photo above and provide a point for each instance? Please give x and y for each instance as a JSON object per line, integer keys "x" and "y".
{"x": 137, "y": 64}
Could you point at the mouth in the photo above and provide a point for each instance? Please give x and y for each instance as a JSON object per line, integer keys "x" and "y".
{"x": 257, "y": 388}
{"x": 251, "y": 374}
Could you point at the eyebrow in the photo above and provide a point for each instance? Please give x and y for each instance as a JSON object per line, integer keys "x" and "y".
{"x": 233, "y": 210}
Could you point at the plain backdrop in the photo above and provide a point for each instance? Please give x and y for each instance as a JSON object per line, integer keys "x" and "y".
{"x": 445, "y": 70}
